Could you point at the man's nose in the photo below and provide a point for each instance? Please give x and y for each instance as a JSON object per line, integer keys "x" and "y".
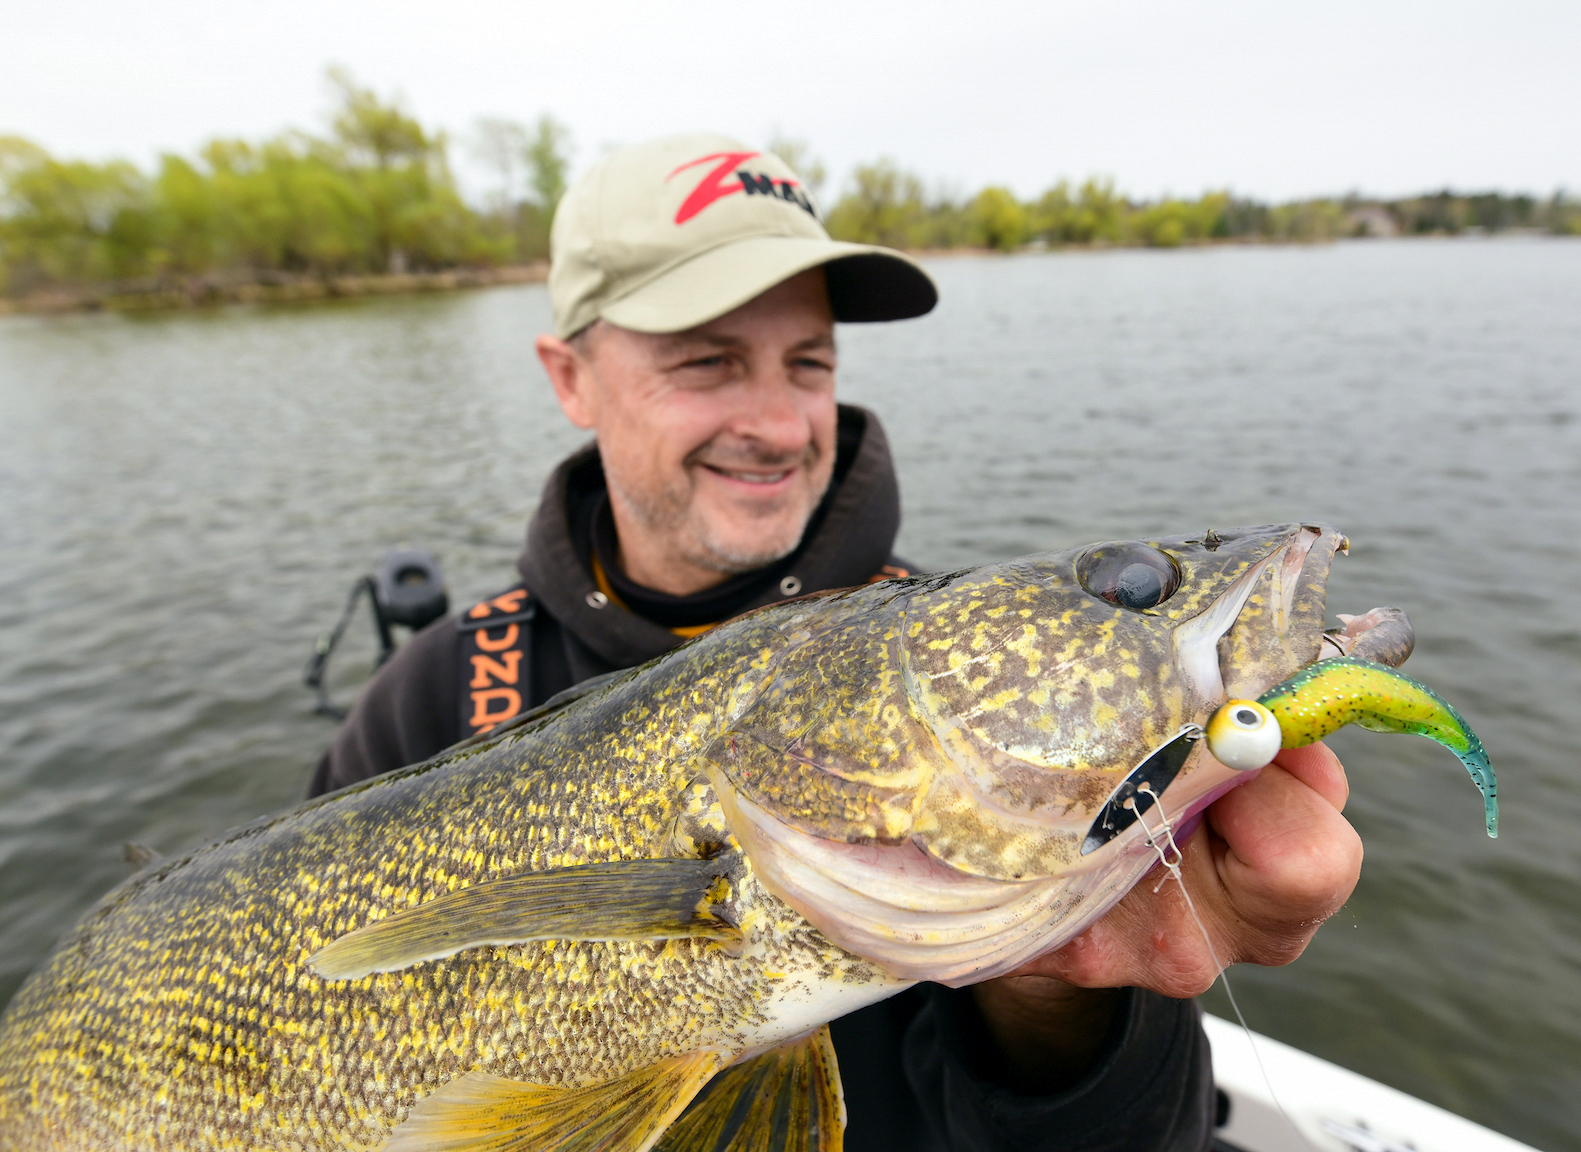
{"x": 774, "y": 412}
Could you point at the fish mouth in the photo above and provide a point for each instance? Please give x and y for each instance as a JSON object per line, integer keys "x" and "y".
{"x": 1270, "y": 624}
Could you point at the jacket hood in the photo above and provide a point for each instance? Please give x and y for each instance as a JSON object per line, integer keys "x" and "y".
{"x": 848, "y": 540}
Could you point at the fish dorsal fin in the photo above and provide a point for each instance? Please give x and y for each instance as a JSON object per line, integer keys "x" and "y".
{"x": 616, "y": 900}
{"x": 786, "y": 1100}
{"x": 139, "y": 856}
{"x": 483, "y": 1113}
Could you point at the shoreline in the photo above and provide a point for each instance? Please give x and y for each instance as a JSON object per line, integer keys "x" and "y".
{"x": 271, "y": 288}
{"x": 219, "y": 289}
{"x": 1037, "y": 248}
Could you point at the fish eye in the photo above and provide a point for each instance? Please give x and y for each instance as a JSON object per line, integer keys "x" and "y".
{"x": 1129, "y": 574}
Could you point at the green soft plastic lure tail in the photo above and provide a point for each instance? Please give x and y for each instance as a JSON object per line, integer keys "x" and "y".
{"x": 1324, "y": 697}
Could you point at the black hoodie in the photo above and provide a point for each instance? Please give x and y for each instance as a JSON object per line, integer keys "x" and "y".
{"x": 918, "y": 1068}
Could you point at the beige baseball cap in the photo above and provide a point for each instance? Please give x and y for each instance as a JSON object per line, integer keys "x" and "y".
{"x": 666, "y": 235}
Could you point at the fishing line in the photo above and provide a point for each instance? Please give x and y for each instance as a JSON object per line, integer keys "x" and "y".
{"x": 1166, "y": 830}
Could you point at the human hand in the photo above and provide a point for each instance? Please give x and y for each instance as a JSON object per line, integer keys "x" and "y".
{"x": 1269, "y": 863}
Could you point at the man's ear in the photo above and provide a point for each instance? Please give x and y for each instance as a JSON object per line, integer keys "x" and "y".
{"x": 571, "y": 377}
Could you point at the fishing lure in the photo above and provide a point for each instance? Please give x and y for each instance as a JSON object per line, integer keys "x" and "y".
{"x": 1326, "y": 696}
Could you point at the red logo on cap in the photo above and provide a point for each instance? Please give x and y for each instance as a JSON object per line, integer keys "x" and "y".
{"x": 713, "y": 187}
{"x": 709, "y": 188}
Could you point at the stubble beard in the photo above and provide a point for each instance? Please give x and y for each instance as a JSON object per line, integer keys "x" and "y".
{"x": 669, "y": 511}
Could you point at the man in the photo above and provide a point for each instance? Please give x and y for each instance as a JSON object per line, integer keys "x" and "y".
{"x": 695, "y": 295}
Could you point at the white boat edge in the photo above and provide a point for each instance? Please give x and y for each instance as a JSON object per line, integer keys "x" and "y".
{"x": 1336, "y": 1110}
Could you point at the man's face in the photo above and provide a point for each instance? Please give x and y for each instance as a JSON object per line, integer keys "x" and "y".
{"x": 717, "y": 442}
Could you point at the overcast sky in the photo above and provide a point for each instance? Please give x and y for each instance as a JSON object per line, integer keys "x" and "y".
{"x": 1271, "y": 99}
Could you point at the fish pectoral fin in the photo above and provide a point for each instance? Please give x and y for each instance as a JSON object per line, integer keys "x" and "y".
{"x": 483, "y": 1113}
{"x": 616, "y": 900}
{"x": 786, "y": 1100}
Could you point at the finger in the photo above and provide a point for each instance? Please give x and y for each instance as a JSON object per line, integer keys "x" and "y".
{"x": 1319, "y": 769}
{"x": 1287, "y": 860}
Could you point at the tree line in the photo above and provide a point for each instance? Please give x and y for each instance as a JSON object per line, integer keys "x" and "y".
{"x": 886, "y": 205}
{"x": 376, "y": 194}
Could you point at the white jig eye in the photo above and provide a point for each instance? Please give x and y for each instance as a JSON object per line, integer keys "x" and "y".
{"x": 1243, "y": 735}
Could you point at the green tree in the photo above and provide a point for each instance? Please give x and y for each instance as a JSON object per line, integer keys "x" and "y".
{"x": 70, "y": 222}
{"x": 195, "y": 234}
{"x": 543, "y": 154}
{"x": 548, "y": 161}
{"x": 998, "y": 220}
{"x": 293, "y": 204}
{"x": 883, "y": 206}
{"x": 1049, "y": 215}
{"x": 17, "y": 156}
{"x": 1093, "y": 214}
{"x": 1170, "y": 222}
{"x": 369, "y": 129}
{"x": 1096, "y": 214}
{"x": 1561, "y": 215}
{"x": 1308, "y": 221}
{"x": 531, "y": 165}
{"x": 400, "y": 174}
{"x": 1245, "y": 218}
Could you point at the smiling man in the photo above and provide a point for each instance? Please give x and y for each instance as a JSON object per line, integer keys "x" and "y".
{"x": 695, "y": 296}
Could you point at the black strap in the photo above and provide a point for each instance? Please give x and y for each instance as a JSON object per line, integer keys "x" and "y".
{"x": 495, "y": 681}
{"x": 318, "y": 664}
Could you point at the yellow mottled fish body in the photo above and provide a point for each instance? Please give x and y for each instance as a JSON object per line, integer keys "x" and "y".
{"x": 182, "y": 1014}
{"x": 577, "y": 920}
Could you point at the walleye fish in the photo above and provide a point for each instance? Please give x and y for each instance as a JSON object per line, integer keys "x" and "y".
{"x": 622, "y": 921}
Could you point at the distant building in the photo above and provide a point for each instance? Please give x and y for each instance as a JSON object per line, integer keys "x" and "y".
{"x": 1372, "y": 220}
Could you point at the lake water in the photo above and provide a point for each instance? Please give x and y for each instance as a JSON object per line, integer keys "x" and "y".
{"x": 184, "y": 500}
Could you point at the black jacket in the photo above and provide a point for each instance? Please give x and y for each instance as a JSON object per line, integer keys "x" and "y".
{"x": 916, "y": 1068}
